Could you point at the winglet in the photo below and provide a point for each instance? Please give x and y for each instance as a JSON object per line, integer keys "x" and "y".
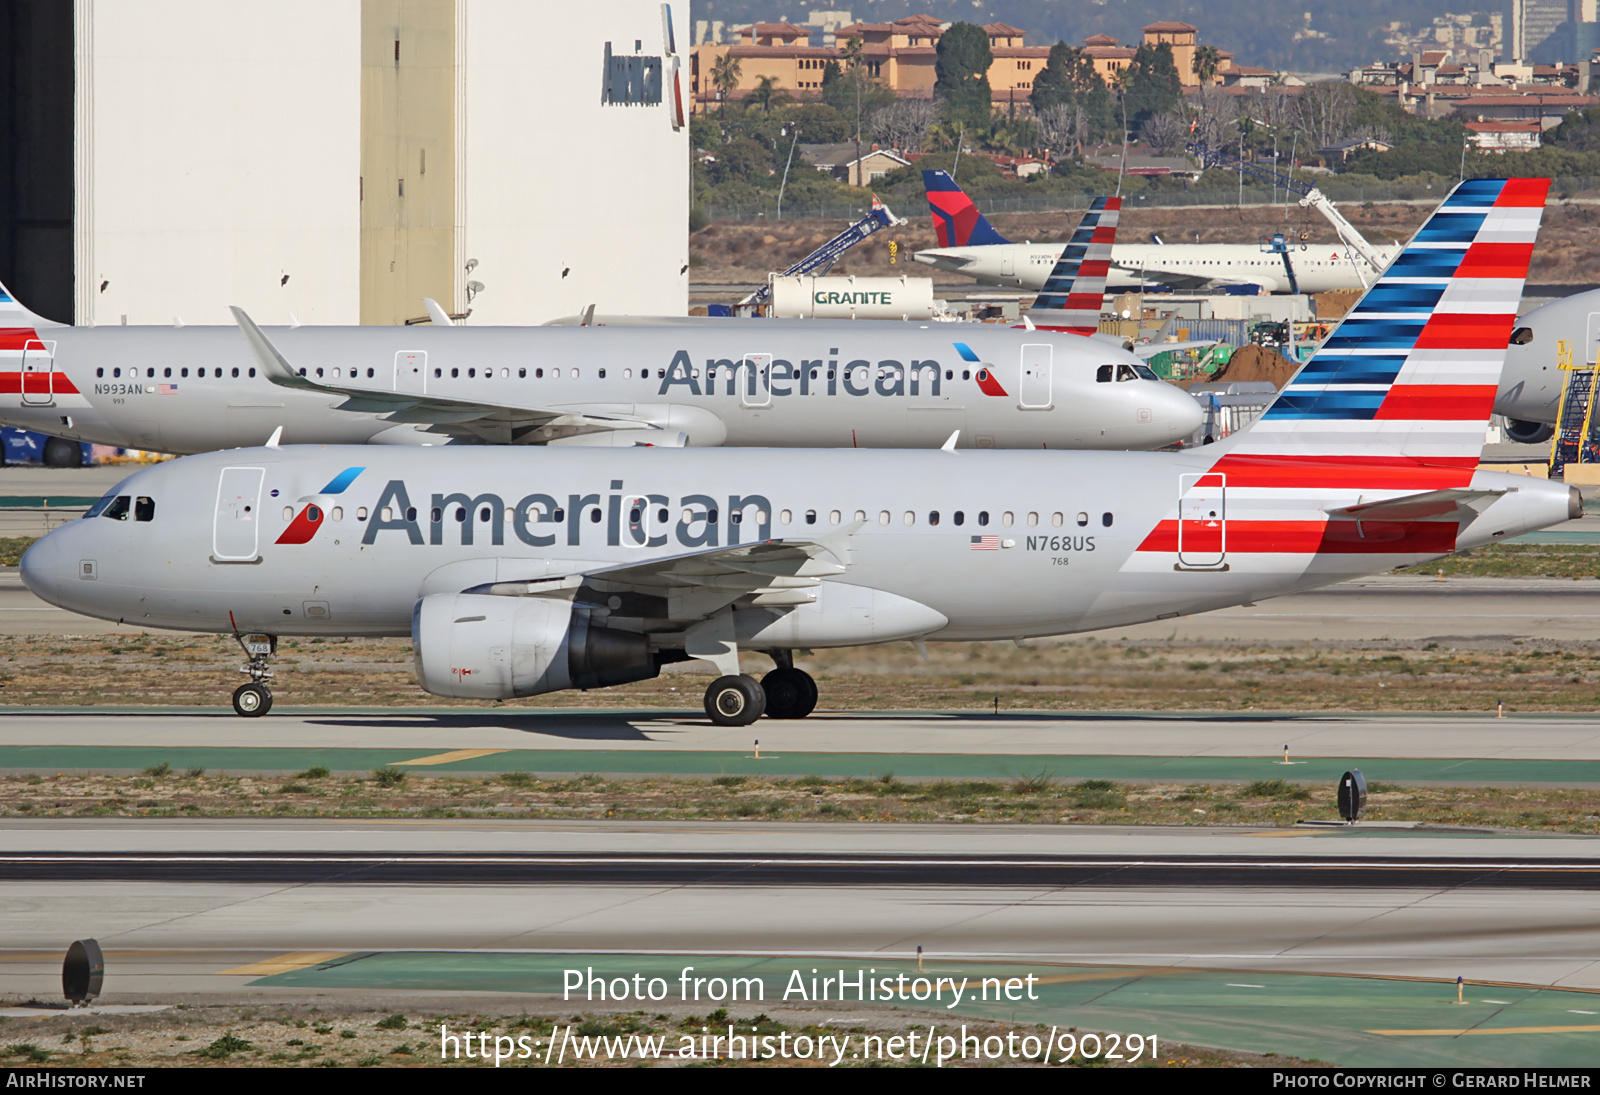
{"x": 273, "y": 364}
{"x": 950, "y": 444}
{"x": 277, "y": 435}
{"x": 438, "y": 315}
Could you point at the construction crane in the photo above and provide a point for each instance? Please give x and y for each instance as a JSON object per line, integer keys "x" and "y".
{"x": 1310, "y": 197}
{"x": 822, "y": 259}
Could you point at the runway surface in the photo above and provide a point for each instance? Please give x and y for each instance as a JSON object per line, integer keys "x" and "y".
{"x": 1552, "y": 750}
{"x": 1206, "y": 943}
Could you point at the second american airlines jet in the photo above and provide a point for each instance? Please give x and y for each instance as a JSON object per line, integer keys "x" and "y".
{"x": 525, "y": 571}
{"x": 758, "y": 382}
{"x": 970, "y": 246}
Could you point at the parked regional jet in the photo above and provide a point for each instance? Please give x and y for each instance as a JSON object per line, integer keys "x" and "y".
{"x": 873, "y": 385}
{"x": 1563, "y": 332}
{"x": 518, "y": 572}
{"x": 970, "y": 246}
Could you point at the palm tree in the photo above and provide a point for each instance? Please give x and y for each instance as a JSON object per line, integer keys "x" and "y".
{"x": 725, "y": 75}
{"x": 768, "y": 94}
{"x": 1207, "y": 59}
{"x": 855, "y": 59}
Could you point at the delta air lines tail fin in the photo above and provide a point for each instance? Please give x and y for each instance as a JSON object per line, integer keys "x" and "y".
{"x": 1408, "y": 377}
{"x": 1076, "y": 289}
{"x": 956, "y": 221}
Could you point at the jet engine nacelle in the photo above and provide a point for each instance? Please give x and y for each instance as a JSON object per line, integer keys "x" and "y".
{"x": 478, "y": 646}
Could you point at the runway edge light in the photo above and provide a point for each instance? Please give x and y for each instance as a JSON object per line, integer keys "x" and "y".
{"x": 83, "y": 972}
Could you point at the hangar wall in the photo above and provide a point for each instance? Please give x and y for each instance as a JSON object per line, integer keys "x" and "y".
{"x": 219, "y": 153}
{"x": 278, "y": 157}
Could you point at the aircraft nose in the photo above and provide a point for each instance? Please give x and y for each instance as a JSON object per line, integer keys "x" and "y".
{"x": 1183, "y": 413}
{"x": 42, "y": 567}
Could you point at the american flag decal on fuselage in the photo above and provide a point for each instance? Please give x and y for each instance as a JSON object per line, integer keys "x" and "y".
{"x": 1393, "y": 404}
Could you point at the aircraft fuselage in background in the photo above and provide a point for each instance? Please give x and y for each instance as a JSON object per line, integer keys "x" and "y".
{"x": 195, "y": 389}
{"x": 1318, "y": 268}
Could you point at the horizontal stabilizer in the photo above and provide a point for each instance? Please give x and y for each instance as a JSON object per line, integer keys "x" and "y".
{"x": 1465, "y": 503}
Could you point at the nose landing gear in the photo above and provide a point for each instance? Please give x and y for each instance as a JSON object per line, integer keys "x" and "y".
{"x": 255, "y": 699}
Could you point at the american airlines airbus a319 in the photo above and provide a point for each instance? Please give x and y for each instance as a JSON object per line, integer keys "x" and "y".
{"x": 728, "y": 382}
{"x": 523, "y": 571}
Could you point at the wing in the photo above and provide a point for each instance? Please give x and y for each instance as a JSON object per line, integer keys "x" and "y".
{"x": 768, "y": 573}
{"x": 500, "y": 424}
{"x": 1144, "y": 351}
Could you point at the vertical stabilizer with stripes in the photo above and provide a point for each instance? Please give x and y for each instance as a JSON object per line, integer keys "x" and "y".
{"x": 1076, "y": 289}
{"x": 15, "y": 315}
{"x": 1409, "y": 375}
{"x": 956, "y": 221}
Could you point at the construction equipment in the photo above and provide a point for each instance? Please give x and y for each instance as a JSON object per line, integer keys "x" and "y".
{"x": 1572, "y": 443}
{"x": 822, "y": 259}
{"x": 1310, "y": 197}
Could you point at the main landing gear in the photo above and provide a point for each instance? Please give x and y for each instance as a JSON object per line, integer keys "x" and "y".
{"x": 255, "y": 699}
{"x": 784, "y": 693}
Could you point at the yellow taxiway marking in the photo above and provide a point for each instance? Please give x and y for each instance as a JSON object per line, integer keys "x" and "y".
{"x": 284, "y": 963}
{"x": 1452, "y": 1033}
{"x": 451, "y": 757}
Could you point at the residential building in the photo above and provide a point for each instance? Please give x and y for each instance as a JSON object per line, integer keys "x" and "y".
{"x": 839, "y": 161}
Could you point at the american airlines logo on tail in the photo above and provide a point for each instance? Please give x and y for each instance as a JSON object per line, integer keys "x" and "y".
{"x": 1076, "y": 289}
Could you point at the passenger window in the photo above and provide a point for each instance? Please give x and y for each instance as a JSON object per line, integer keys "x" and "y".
{"x": 861, "y": 515}
{"x": 461, "y": 514}
{"x": 958, "y": 517}
{"x": 437, "y": 373}
{"x": 933, "y": 517}
{"x": 883, "y": 517}
{"x": 505, "y": 374}
{"x": 785, "y": 517}
{"x": 522, "y": 374}
{"x": 485, "y": 513}
{"x": 966, "y": 374}
{"x": 118, "y": 509}
{"x": 1102, "y": 375}
{"x": 472, "y": 374}
{"x": 455, "y": 373}
{"x": 835, "y": 517}
{"x": 144, "y": 509}
{"x": 288, "y": 513}
{"x": 151, "y": 373}
{"x": 337, "y": 513}
{"x": 983, "y": 517}
{"x": 361, "y": 514}
{"x": 602, "y": 374}
{"x": 538, "y": 374}
{"x": 1033, "y": 519}
{"x": 370, "y": 374}
{"x": 1105, "y": 519}
{"x": 252, "y": 371}
{"x": 411, "y": 513}
{"x": 910, "y": 518}
{"x": 1006, "y": 518}
{"x": 102, "y": 373}
{"x": 1058, "y": 519}
{"x": 1083, "y": 519}
{"x": 811, "y": 517}
{"x": 627, "y": 374}
{"x": 236, "y": 372}
{"x": 574, "y": 374}
{"x": 116, "y": 372}
{"x": 555, "y": 374}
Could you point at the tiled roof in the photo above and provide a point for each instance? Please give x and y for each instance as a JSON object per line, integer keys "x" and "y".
{"x": 1169, "y": 28}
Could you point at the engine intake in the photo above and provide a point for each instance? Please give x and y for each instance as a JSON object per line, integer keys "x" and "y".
{"x": 478, "y": 646}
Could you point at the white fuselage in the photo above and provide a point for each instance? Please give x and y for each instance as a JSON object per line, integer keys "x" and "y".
{"x": 1318, "y": 268}
{"x": 195, "y": 389}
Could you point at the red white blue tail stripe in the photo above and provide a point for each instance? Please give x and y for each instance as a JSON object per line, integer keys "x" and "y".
{"x": 1076, "y": 289}
{"x": 1372, "y": 448}
{"x": 26, "y": 366}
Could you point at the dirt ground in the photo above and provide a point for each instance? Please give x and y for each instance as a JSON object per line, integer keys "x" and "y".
{"x": 1067, "y": 674}
{"x": 335, "y": 1034}
{"x": 1043, "y": 798}
{"x": 1568, "y": 250}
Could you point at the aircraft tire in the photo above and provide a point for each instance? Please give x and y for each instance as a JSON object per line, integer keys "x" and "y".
{"x": 735, "y": 700}
{"x": 791, "y": 693}
{"x": 61, "y": 453}
{"x": 252, "y": 700}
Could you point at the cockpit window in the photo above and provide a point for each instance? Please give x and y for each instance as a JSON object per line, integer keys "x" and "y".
{"x": 1102, "y": 375}
{"x": 99, "y": 507}
{"x": 144, "y": 509}
{"x": 1522, "y": 336}
{"x": 118, "y": 509}
{"x": 1145, "y": 372}
{"x": 1126, "y": 372}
